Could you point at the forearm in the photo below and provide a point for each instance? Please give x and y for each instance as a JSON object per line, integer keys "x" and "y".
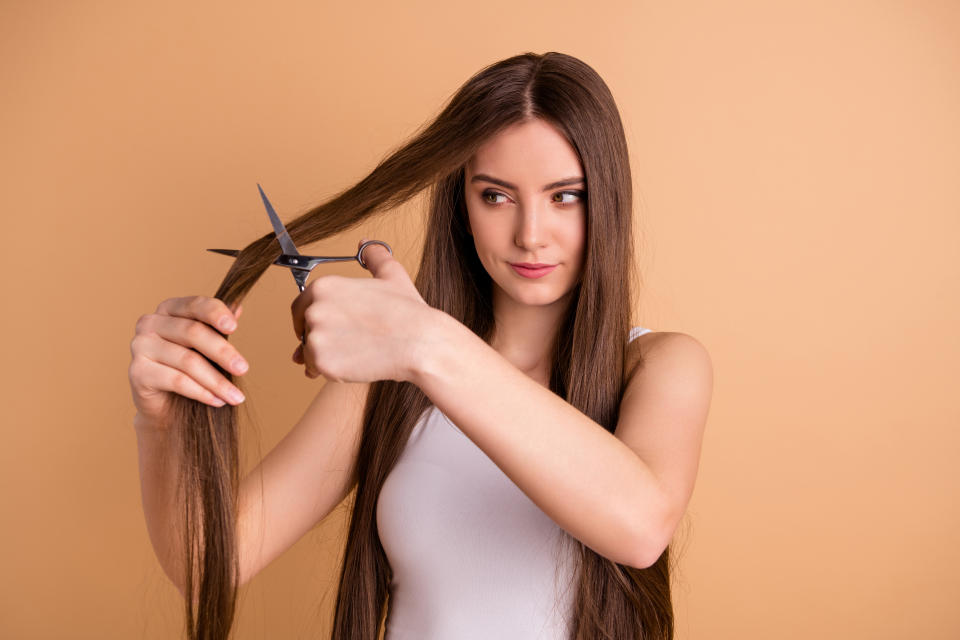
{"x": 584, "y": 478}
{"x": 158, "y": 455}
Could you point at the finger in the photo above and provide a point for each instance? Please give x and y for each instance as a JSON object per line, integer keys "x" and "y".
{"x": 302, "y": 303}
{"x": 155, "y": 375}
{"x": 298, "y": 358}
{"x": 213, "y": 311}
{"x": 183, "y": 361}
{"x": 297, "y": 310}
{"x": 203, "y": 339}
{"x": 306, "y": 359}
{"x": 380, "y": 262}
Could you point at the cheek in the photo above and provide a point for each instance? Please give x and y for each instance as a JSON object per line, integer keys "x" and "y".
{"x": 479, "y": 223}
{"x": 486, "y": 231}
{"x": 485, "y": 243}
{"x": 574, "y": 239}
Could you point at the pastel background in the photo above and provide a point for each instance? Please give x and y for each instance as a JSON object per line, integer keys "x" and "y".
{"x": 796, "y": 168}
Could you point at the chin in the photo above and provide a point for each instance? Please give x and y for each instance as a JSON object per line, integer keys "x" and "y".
{"x": 536, "y": 301}
{"x": 529, "y": 294}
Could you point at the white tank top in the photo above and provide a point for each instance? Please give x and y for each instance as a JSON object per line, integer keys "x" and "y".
{"x": 472, "y": 555}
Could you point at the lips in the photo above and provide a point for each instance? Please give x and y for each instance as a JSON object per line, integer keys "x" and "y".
{"x": 528, "y": 270}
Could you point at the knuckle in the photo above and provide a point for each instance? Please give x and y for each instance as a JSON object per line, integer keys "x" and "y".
{"x": 135, "y": 370}
{"x": 143, "y": 323}
{"x": 189, "y": 359}
{"x": 136, "y": 344}
{"x": 180, "y": 382}
{"x": 212, "y": 308}
{"x": 195, "y": 331}
{"x": 311, "y": 314}
{"x": 324, "y": 283}
{"x": 226, "y": 352}
{"x": 196, "y": 304}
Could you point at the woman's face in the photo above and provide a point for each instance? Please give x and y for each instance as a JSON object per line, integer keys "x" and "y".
{"x": 526, "y": 203}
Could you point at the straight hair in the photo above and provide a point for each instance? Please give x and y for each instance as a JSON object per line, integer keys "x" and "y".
{"x": 588, "y": 354}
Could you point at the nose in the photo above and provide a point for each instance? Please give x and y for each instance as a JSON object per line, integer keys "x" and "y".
{"x": 531, "y": 226}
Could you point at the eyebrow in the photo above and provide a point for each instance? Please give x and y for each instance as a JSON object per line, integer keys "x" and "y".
{"x": 503, "y": 183}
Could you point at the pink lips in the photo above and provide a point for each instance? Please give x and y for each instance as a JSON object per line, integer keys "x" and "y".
{"x": 532, "y": 271}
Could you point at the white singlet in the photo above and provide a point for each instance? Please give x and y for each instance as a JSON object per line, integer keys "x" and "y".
{"x": 472, "y": 555}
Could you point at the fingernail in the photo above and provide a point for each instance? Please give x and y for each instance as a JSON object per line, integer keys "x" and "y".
{"x": 239, "y": 364}
{"x": 227, "y": 324}
{"x": 235, "y": 395}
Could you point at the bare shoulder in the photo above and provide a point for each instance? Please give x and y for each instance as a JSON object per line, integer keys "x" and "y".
{"x": 682, "y": 349}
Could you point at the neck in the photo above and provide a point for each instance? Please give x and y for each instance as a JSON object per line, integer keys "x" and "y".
{"x": 524, "y": 334}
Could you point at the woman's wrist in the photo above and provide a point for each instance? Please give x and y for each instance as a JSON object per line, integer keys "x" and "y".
{"x": 438, "y": 334}
{"x": 144, "y": 424}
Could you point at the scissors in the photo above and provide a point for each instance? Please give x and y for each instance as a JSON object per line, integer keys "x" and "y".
{"x": 300, "y": 265}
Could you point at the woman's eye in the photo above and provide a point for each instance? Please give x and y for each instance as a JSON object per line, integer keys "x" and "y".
{"x": 491, "y": 194}
{"x": 572, "y": 197}
{"x": 578, "y": 195}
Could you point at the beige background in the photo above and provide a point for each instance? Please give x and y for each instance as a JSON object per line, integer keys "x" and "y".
{"x": 796, "y": 166}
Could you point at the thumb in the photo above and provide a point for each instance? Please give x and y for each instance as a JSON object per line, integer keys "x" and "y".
{"x": 381, "y": 263}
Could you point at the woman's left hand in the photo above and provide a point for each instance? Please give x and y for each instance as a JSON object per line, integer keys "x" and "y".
{"x": 359, "y": 329}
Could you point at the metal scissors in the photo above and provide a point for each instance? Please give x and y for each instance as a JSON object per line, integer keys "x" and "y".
{"x": 300, "y": 266}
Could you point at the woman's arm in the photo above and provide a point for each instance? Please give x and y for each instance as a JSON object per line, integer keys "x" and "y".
{"x": 623, "y": 494}
{"x": 158, "y": 452}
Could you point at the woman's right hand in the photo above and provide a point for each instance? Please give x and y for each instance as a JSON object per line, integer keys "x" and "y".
{"x": 165, "y": 358}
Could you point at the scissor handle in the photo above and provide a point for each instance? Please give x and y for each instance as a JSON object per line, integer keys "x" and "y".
{"x": 301, "y": 265}
{"x": 307, "y": 263}
{"x": 364, "y": 246}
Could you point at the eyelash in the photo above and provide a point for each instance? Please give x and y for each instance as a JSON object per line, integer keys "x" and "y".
{"x": 489, "y": 192}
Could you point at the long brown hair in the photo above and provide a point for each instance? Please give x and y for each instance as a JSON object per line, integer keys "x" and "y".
{"x": 589, "y": 353}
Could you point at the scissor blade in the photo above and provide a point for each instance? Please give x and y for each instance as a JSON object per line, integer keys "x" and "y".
{"x": 294, "y": 263}
{"x": 282, "y": 236}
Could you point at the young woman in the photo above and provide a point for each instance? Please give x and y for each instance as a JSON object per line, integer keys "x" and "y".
{"x": 521, "y": 455}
